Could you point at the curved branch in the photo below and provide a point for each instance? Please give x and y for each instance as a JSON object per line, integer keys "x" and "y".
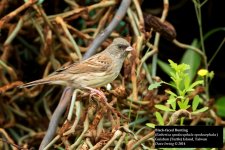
{"x": 64, "y": 101}
{"x": 101, "y": 37}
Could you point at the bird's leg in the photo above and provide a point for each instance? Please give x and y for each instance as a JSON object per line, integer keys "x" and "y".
{"x": 96, "y": 92}
{"x": 102, "y": 95}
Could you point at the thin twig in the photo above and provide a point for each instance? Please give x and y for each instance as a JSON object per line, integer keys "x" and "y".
{"x": 143, "y": 139}
{"x": 64, "y": 26}
{"x": 157, "y": 37}
{"x": 216, "y": 52}
{"x": 14, "y": 13}
{"x": 9, "y": 39}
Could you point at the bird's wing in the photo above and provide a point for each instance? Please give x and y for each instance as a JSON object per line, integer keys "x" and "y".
{"x": 96, "y": 63}
{"x": 66, "y": 67}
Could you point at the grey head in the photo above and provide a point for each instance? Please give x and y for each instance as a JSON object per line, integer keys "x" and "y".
{"x": 119, "y": 48}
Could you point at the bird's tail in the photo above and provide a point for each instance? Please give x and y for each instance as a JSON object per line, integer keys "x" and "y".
{"x": 36, "y": 82}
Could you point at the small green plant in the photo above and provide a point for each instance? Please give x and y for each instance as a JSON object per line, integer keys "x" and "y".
{"x": 182, "y": 84}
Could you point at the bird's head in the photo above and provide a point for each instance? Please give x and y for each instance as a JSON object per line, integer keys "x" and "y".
{"x": 119, "y": 48}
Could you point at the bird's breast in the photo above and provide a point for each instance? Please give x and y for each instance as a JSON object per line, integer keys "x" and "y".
{"x": 95, "y": 79}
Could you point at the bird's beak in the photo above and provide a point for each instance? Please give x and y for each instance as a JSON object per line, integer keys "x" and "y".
{"x": 129, "y": 48}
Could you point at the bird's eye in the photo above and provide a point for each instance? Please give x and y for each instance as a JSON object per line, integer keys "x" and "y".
{"x": 121, "y": 46}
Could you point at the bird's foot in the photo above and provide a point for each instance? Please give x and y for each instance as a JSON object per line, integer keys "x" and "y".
{"x": 96, "y": 92}
{"x": 102, "y": 95}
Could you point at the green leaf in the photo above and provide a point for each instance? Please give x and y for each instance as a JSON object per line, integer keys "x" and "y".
{"x": 155, "y": 85}
{"x": 200, "y": 110}
{"x": 172, "y": 75}
{"x": 174, "y": 79}
{"x": 173, "y": 105}
{"x": 159, "y": 118}
{"x": 195, "y": 102}
{"x": 220, "y": 105}
{"x": 183, "y": 105}
{"x": 171, "y": 100}
{"x": 180, "y": 104}
{"x": 164, "y": 108}
{"x": 181, "y": 97}
{"x": 186, "y": 101}
{"x": 165, "y": 67}
{"x": 182, "y": 67}
{"x": 173, "y": 65}
{"x": 171, "y": 93}
{"x": 170, "y": 84}
{"x": 189, "y": 90}
{"x": 194, "y": 84}
{"x": 151, "y": 125}
{"x": 188, "y": 106}
{"x": 193, "y": 59}
{"x": 186, "y": 82}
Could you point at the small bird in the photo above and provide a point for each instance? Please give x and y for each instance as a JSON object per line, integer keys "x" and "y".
{"x": 96, "y": 71}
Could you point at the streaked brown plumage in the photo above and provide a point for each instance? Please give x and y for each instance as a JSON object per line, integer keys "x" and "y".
{"x": 95, "y": 71}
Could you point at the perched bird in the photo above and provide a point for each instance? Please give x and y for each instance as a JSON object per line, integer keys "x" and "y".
{"x": 96, "y": 71}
